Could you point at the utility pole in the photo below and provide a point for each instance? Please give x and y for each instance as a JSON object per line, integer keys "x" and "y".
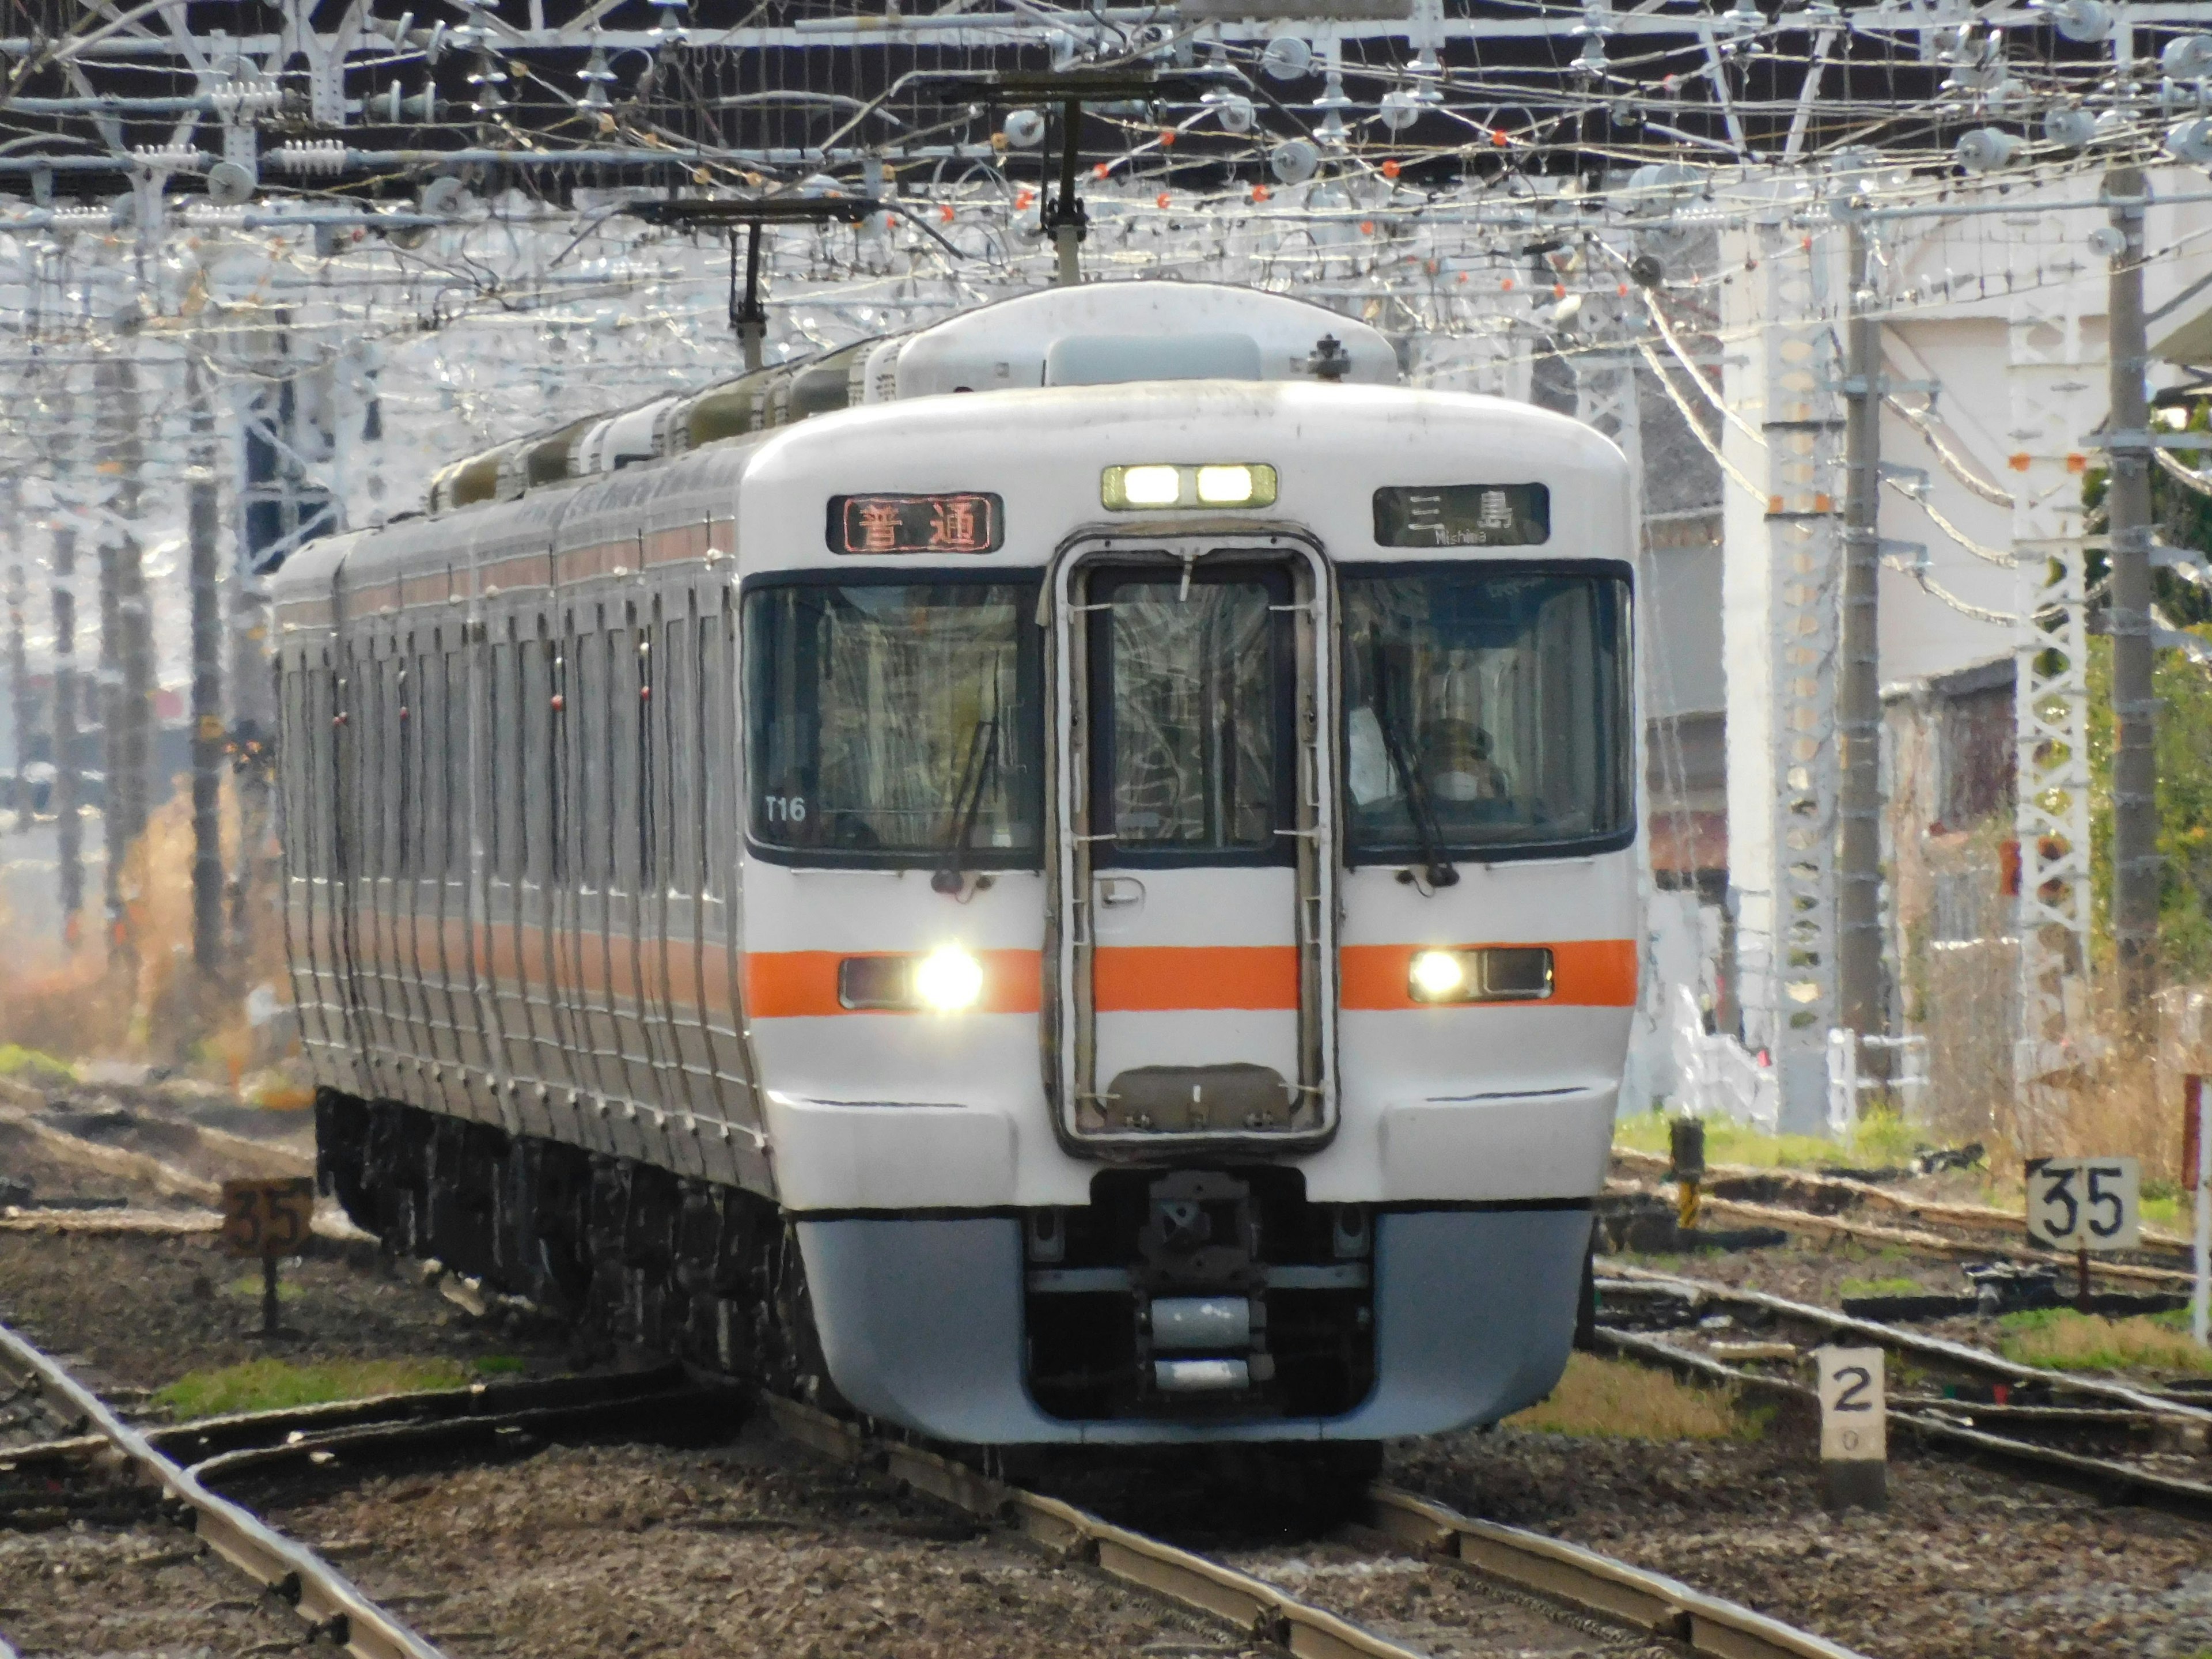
{"x": 1860, "y": 1005}
{"x": 2135, "y": 864}
{"x": 19, "y": 653}
{"x": 69, "y": 793}
{"x": 207, "y": 678}
{"x": 126, "y": 634}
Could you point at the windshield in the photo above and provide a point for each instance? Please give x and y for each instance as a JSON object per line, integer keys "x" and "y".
{"x": 1189, "y": 757}
{"x": 894, "y": 722}
{"x": 1486, "y": 709}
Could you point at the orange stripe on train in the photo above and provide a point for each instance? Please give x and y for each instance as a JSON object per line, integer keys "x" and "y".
{"x": 1586, "y": 973}
{"x": 1171, "y": 979}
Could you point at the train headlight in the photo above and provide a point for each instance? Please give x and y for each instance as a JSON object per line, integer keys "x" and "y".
{"x": 1485, "y": 973}
{"x": 1437, "y": 976}
{"x": 1151, "y": 486}
{"x": 1218, "y": 484}
{"x": 948, "y": 979}
{"x": 1225, "y": 486}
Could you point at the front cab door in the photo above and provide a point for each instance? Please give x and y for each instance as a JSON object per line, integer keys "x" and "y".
{"x": 1195, "y": 905}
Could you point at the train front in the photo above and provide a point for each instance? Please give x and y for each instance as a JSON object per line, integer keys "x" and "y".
{"x": 1190, "y": 900}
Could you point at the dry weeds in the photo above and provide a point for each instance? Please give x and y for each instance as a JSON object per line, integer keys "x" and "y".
{"x": 136, "y": 993}
{"x": 1615, "y": 1400}
{"x": 2059, "y": 1339}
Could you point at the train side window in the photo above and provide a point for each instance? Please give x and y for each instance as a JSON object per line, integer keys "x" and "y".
{"x": 315, "y": 746}
{"x": 634, "y": 708}
{"x": 585, "y": 781}
{"x": 563, "y": 842}
{"x": 330, "y": 787}
{"x": 891, "y": 720}
{"x": 494, "y": 703}
{"x": 1486, "y": 708}
{"x": 428, "y": 721}
{"x": 350, "y": 816}
{"x": 680, "y": 667}
{"x": 625, "y": 814}
{"x": 290, "y": 690}
{"x": 406, "y": 693}
{"x": 719, "y": 754}
{"x": 456, "y": 751}
{"x": 364, "y": 810}
{"x": 391, "y": 793}
{"x": 534, "y": 669}
{"x": 430, "y": 763}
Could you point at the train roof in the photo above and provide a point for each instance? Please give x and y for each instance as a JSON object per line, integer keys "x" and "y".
{"x": 1101, "y": 333}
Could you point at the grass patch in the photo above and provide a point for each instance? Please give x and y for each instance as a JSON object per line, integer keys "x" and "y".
{"x": 250, "y": 1288}
{"x": 261, "y": 1385}
{"x": 1879, "y": 1287}
{"x": 33, "y": 1066}
{"x": 1615, "y": 1400}
{"x": 1878, "y": 1140}
{"x": 2060, "y": 1340}
{"x": 501, "y": 1364}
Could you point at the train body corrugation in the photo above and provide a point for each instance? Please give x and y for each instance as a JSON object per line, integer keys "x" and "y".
{"x": 1103, "y": 911}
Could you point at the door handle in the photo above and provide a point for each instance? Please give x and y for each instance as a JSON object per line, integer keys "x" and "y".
{"x": 1114, "y": 892}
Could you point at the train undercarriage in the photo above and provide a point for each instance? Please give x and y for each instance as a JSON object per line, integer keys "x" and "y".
{"x": 1170, "y": 1278}
{"x": 621, "y": 1251}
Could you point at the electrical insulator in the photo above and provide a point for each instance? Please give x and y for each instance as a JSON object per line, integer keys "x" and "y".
{"x": 2071, "y": 129}
{"x": 2188, "y": 58}
{"x": 2085, "y": 21}
{"x": 1287, "y": 57}
{"x": 168, "y": 158}
{"x": 327, "y": 155}
{"x": 230, "y": 183}
{"x": 2191, "y": 141}
{"x": 1987, "y": 149}
{"x": 596, "y": 78}
{"x": 1294, "y": 161}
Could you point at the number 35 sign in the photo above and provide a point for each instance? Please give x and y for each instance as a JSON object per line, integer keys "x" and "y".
{"x": 2085, "y": 1203}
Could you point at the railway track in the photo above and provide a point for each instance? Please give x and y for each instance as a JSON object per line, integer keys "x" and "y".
{"x": 1511, "y": 1576}
{"x": 1562, "y": 1583}
{"x": 1836, "y": 1207}
{"x": 2138, "y": 1444}
{"x": 93, "y": 1465}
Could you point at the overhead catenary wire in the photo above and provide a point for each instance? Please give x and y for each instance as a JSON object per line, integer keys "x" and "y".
{"x": 2187, "y": 477}
{"x": 1954, "y": 464}
{"x": 1996, "y": 555}
{"x": 1705, "y": 388}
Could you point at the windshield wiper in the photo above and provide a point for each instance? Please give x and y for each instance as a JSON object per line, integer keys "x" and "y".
{"x": 1418, "y": 808}
{"x": 968, "y": 802}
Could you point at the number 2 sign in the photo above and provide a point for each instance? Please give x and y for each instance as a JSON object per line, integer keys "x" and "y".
{"x": 2085, "y": 1203}
{"x": 1854, "y": 1421}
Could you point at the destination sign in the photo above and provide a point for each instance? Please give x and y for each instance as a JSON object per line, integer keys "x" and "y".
{"x": 1463, "y": 515}
{"x": 972, "y": 522}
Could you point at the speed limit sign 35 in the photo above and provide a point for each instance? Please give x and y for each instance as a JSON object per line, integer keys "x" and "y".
{"x": 2085, "y": 1203}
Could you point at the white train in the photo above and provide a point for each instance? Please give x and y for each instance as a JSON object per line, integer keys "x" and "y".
{"x": 1102, "y": 910}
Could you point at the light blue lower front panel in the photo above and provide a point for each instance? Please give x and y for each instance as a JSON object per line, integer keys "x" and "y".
{"x": 921, "y": 1322}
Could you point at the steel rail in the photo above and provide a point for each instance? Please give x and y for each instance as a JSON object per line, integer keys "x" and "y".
{"x": 332, "y": 1605}
{"x": 204, "y": 1437}
{"x": 2103, "y": 1475}
{"x": 1665, "y": 1607}
{"x": 1937, "y": 1348}
{"x": 1565, "y": 1572}
{"x": 1791, "y": 1219}
{"x": 1980, "y": 1218}
{"x": 523, "y": 1426}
